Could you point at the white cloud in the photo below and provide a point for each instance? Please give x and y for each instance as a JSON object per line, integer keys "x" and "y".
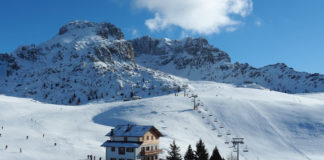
{"x": 198, "y": 16}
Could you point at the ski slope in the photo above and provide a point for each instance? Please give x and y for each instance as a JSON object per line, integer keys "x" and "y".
{"x": 274, "y": 125}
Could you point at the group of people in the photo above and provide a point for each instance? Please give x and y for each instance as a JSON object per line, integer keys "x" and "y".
{"x": 91, "y": 157}
{"x": 27, "y": 137}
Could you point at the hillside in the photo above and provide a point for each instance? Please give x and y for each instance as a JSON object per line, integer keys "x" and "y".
{"x": 275, "y": 125}
{"x": 196, "y": 59}
{"x": 85, "y": 61}
{"x": 88, "y": 61}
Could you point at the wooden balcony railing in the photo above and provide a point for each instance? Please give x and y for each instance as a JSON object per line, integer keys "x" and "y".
{"x": 147, "y": 153}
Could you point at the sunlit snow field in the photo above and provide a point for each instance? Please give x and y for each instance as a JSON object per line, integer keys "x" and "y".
{"x": 274, "y": 125}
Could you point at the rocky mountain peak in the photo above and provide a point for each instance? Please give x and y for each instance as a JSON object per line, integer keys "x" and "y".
{"x": 104, "y": 29}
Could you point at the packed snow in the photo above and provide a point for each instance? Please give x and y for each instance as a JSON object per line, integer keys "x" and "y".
{"x": 274, "y": 125}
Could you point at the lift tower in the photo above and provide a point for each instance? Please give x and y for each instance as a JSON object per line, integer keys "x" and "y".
{"x": 236, "y": 143}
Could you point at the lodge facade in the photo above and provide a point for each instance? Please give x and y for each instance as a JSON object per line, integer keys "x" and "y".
{"x": 133, "y": 142}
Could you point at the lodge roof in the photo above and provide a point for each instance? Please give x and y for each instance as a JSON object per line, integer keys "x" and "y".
{"x": 132, "y": 131}
{"x": 121, "y": 144}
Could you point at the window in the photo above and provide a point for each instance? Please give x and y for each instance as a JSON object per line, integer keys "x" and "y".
{"x": 152, "y": 137}
{"x": 121, "y": 150}
{"x": 151, "y": 148}
{"x": 129, "y": 149}
{"x": 156, "y": 157}
{"x": 121, "y": 159}
{"x": 156, "y": 148}
{"x": 142, "y": 149}
{"x": 147, "y": 137}
{"x": 125, "y": 139}
{"x": 113, "y": 149}
{"x": 112, "y": 158}
{"x": 147, "y": 148}
{"x": 129, "y": 159}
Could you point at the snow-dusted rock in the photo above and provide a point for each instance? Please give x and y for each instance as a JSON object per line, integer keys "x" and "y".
{"x": 86, "y": 61}
{"x": 196, "y": 59}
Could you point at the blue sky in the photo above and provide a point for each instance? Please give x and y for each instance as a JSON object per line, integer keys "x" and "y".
{"x": 267, "y": 32}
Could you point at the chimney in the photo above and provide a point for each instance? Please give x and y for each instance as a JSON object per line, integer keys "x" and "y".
{"x": 112, "y": 132}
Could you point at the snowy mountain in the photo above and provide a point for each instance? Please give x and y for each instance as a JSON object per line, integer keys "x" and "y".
{"x": 274, "y": 125}
{"x": 196, "y": 59}
{"x": 89, "y": 61}
{"x": 85, "y": 61}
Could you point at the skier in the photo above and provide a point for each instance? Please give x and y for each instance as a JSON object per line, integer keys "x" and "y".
{"x": 43, "y": 135}
{"x": 27, "y": 137}
{"x": 54, "y": 144}
{"x": 20, "y": 150}
{"x": 0, "y": 134}
{"x": 6, "y": 147}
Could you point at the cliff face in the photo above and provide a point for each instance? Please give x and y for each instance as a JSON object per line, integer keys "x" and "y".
{"x": 89, "y": 61}
{"x": 85, "y": 61}
{"x": 196, "y": 59}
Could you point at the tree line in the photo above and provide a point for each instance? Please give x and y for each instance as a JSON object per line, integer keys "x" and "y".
{"x": 199, "y": 154}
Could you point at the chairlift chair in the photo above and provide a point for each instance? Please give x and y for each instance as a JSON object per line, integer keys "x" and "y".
{"x": 219, "y": 134}
{"x": 245, "y": 149}
{"x": 210, "y": 115}
{"x": 221, "y": 126}
{"x": 228, "y": 133}
{"x": 215, "y": 120}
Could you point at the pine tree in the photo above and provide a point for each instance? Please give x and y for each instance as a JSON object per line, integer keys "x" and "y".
{"x": 216, "y": 155}
{"x": 174, "y": 154}
{"x": 201, "y": 151}
{"x": 190, "y": 155}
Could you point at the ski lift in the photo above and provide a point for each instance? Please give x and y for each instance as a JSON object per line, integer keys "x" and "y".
{"x": 245, "y": 149}
{"x": 214, "y": 129}
{"x": 210, "y": 115}
{"x": 226, "y": 141}
{"x": 228, "y": 133}
{"x": 221, "y": 126}
{"x": 215, "y": 120}
{"x": 203, "y": 117}
{"x": 219, "y": 134}
{"x": 199, "y": 111}
{"x": 206, "y": 109}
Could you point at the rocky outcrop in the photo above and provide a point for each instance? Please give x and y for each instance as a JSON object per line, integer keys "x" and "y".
{"x": 193, "y": 52}
{"x": 196, "y": 59}
{"x": 105, "y": 30}
{"x": 86, "y": 61}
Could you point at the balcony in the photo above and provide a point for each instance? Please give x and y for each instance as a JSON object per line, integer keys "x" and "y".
{"x": 147, "y": 153}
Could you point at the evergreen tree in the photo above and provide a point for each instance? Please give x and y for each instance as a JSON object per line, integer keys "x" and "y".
{"x": 190, "y": 155}
{"x": 201, "y": 151}
{"x": 216, "y": 155}
{"x": 174, "y": 154}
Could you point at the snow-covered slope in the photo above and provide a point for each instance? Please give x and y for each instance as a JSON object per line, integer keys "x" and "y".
{"x": 196, "y": 59}
{"x": 85, "y": 61}
{"x": 275, "y": 125}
